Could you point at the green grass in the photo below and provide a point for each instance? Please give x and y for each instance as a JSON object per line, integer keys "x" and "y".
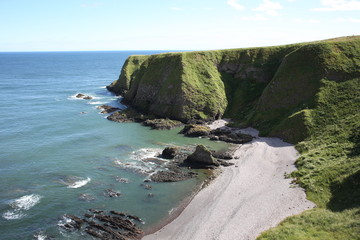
{"x": 307, "y": 94}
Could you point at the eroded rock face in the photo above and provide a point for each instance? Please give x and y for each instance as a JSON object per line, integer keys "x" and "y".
{"x": 202, "y": 157}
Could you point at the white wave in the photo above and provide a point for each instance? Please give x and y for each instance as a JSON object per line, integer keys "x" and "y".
{"x": 20, "y": 205}
{"x": 96, "y": 103}
{"x": 25, "y": 202}
{"x": 12, "y": 215}
{"x": 40, "y": 236}
{"x": 79, "y": 183}
{"x": 144, "y": 153}
{"x": 102, "y": 87}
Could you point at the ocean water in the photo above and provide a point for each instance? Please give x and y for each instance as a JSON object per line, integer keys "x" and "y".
{"x": 58, "y": 154}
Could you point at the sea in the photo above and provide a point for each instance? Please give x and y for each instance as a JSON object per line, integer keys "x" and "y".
{"x": 59, "y": 154}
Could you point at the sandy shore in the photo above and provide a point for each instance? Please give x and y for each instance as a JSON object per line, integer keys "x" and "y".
{"x": 246, "y": 199}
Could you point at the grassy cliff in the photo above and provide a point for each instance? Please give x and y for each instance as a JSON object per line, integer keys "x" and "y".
{"x": 307, "y": 94}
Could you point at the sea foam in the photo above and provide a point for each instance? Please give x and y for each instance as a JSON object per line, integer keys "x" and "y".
{"x": 79, "y": 183}
{"x": 20, "y": 205}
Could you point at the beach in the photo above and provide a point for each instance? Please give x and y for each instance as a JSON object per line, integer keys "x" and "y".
{"x": 246, "y": 199}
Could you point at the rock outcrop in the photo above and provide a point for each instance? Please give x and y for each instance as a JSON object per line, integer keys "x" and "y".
{"x": 202, "y": 157}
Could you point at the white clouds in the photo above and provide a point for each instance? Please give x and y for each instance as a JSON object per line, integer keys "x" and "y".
{"x": 269, "y": 7}
{"x": 235, "y": 5}
{"x": 349, "y": 20}
{"x": 298, "y": 20}
{"x": 339, "y": 5}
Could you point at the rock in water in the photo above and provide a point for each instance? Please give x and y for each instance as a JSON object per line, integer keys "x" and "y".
{"x": 193, "y": 130}
{"x": 202, "y": 156}
{"x": 170, "y": 152}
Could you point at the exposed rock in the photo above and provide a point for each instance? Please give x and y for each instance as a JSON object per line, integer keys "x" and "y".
{"x": 170, "y": 152}
{"x": 202, "y": 157}
{"x": 111, "y": 193}
{"x": 107, "y": 109}
{"x": 230, "y": 136}
{"x": 128, "y": 115}
{"x": 222, "y": 155}
{"x": 193, "y": 130}
{"x": 118, "y": 213}
{"x": 171, "y": 176}
{"x": 83, "y": 96}
{"x": 161, "y": 123}
{"x": 75, "y": 222}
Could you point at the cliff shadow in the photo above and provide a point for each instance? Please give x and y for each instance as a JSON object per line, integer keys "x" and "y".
{"x": 346, "y": 194}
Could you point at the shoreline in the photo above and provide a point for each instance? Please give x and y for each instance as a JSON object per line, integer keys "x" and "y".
{"x": 244, "y": 200}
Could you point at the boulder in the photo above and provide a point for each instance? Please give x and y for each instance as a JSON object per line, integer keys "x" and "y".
{"x": 161, "y": 123}
{"x": 107, "y": 108}
{"x": 193, "y": 130}
{"x": 202, "y": 156}
{"x": 170, "y": 152}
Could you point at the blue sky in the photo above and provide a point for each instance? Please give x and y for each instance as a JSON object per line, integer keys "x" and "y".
{"x": 77, "y": 25}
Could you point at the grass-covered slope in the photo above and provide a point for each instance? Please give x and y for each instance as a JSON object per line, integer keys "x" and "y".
{"x": 307, "y": 94}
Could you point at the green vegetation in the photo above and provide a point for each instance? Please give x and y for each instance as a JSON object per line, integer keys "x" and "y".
{"x": 307, "y": 94}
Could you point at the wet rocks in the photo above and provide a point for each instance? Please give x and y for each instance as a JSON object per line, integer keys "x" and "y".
{"x": 201, "y": 158}
{"x": 230, "y": 136}
{"x": 170, "y": 152}
{"x": 194, "y": 130}
{"x": 115, "y": 225}
{"x": 161, "y": 123}
{"x": 171, "y": 176}
{"x": 83, "y": 96}
{"x": 86, "y": 197}
{"x": 111, "y": 193}
{"x": 122, "y": 180}
{"x": 222, "y": 155}
{"x": 128, "y": 115}
{"x": 107, "y": 109}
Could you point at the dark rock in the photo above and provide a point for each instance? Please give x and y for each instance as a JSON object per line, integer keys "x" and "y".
{"x": 150, "y": 195}
{"x": 75, "y": 223}
{"x": 222, "y": 155}
{"x": 107, "y": 108}
{"x": 202, "y": 156}
{"x": 95, "y": 211}
{"x": 134, "y": 218}
{"x": 225, "y": 163}
{"x": 112, "y": 193}
{"x": 230, "y": 136}
{"x": 193, "y": 130}
{"x": 83, "y": 96}
{"x": 214, "y": 138}
{"x": 170, "y": 152}
{"x": 128, "y": 115}
{"x": 161, "y": 124}
{"x": 171, "y": 176}
{"x": 118, "y": 213}
{"x": 80, "y": 95}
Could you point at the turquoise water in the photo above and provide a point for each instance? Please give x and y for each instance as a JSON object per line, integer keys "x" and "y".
{"x": 56, "y": 148}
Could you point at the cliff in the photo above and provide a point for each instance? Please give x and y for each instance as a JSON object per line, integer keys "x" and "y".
{"x": 307, "y": 93}
{"x": 269, "y": 88}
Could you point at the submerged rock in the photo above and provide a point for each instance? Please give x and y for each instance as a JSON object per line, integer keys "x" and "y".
{"x": 112, "y": 193}
{"x": 193, "y": 130}
{"x": 161, "y": 124}
{"x": 202, "y": 157}
{"x": 170, "y": 152}
{"x": 128, "y": 115}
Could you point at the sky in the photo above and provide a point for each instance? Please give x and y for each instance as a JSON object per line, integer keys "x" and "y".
{"x": 86, "y": 25}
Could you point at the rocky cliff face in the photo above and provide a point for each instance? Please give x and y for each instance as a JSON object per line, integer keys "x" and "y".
{"x": 270, "y": 88}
